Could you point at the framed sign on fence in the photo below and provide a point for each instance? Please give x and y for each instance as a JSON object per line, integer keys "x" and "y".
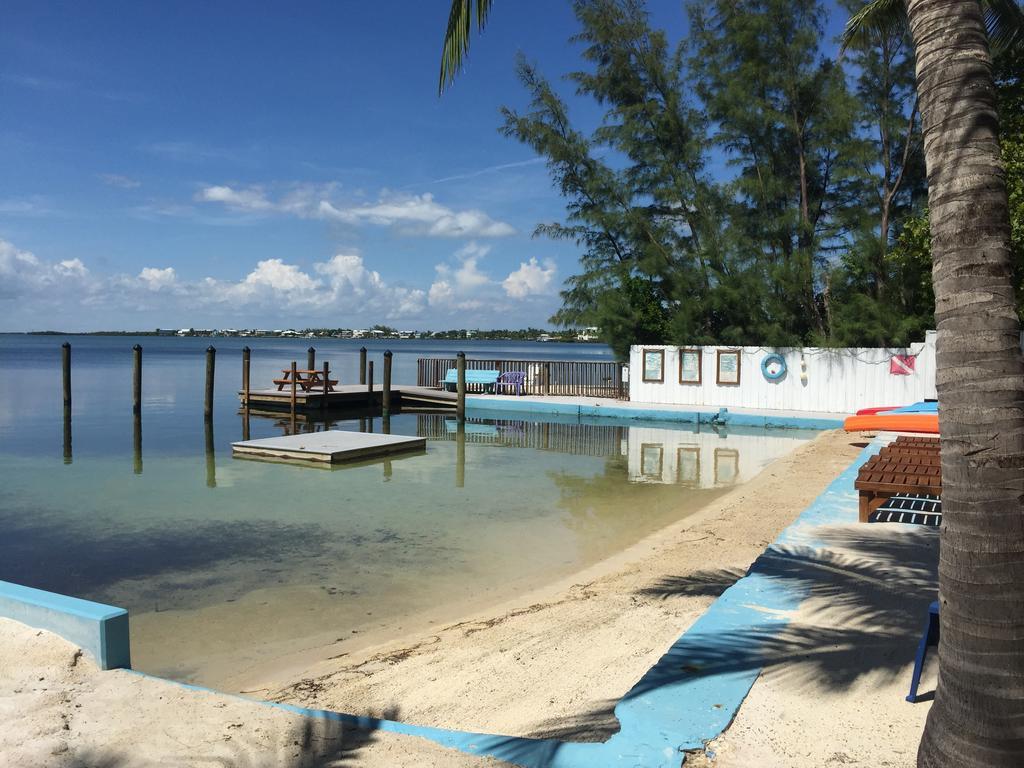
{"x": 654, "y": 365}
{"x": 728, "y": 366}
{"x": 689, "y": 366}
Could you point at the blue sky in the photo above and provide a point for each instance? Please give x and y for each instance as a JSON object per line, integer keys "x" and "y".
{"x": 244, "y": 164}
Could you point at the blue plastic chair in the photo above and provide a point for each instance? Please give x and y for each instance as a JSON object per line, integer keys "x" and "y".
{"x": 930, "y": 637}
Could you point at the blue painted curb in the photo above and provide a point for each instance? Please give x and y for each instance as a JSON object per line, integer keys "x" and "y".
{"x": 722, "y": 416}
{"x": 694, "y": 691}
{"x": 100, "y": 629}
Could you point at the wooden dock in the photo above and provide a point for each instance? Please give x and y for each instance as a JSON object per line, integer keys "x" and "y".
{"x": 348, "y": 397}
{"x": 331, "y": 447}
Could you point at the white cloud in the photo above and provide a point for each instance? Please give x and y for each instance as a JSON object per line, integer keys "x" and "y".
{"x": 250, "y": 199}
{"x": 33, "y": 205}
{"x": 337, "y": 291}
{"x": 157, "y": 279}
{"x": 410, "y": 215}
{"x": 71, "y": 268}
{"x": 531, "y": 278}
{"x": 465, "y": 285}
{"x": 420, "y": 215}
{"x": 117, "y": 180}
{"x": 22, "y": 273}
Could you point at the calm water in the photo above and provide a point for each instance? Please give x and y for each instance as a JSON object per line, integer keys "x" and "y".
{"x": 231, "y": 566}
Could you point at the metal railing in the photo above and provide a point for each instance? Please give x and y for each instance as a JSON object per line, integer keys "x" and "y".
{"x": 543, "y": 377}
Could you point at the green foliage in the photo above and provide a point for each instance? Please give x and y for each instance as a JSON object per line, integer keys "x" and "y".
{"x": 1009, "y": 73}
{"x": 818, "y": 234}
{"x": 455, "y": 47}
{"x": 785, "y": 119}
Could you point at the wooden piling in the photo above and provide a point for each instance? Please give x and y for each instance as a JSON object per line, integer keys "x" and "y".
{"x": 246, "y": 359}
{"x": 293, "y": 393}
{"x": 137, "y": 444}
{"x": 137, "y": 380}
{"x": 211, "y": 362}
{"x": 65, "y": 359}
{"x": 386, "y": 384}
{"x": 311, "y": 359}
{"x": 211, "y": 458}
{"x": 460, "y": 454}
{"x": 67, "y": 434}
{"x": 327, "y": 385}
{"x": 369, "y": 379}
{"x": 460, "y": 387}
{"x": 362, "y": 365}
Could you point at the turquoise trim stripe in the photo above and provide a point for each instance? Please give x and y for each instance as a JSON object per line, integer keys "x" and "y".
{"x": 485, "y": 408}
{"x": 100, "y": 629}
{"x": 692, "y": 694}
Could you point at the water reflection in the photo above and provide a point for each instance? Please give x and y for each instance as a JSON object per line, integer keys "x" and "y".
{"x": 216, "y": 582}
{"x": 67, "y": 434}
{"x": 681, "y": 456}
{"x": 211, "y": 457}
{"x": 694, "y": 459}
{"x": 137, "y": 444}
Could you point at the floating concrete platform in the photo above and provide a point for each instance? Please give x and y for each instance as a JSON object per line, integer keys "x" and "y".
{"x": 330, "y": 447}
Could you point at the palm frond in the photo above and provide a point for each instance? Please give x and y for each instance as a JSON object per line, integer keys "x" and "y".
{"x": 456, "y": 37}
{"x": 877, "y": 19}
{"x": 1005, "y": 23}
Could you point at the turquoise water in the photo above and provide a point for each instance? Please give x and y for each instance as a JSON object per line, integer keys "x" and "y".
{"x": 231, "y": 566}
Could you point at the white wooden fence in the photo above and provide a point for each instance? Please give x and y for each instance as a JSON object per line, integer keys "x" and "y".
{"x": 823, "y": 380}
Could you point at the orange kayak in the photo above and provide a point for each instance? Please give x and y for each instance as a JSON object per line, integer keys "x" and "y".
{"x": 894, "y": 422}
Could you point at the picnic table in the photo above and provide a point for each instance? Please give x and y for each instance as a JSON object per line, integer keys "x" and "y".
{"x": 306, "y": 380}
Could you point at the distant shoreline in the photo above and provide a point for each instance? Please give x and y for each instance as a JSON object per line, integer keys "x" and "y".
{"x": 442, "y": 336}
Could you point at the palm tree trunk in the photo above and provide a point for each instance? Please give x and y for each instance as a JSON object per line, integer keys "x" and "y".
{"x": 978, "y": 715}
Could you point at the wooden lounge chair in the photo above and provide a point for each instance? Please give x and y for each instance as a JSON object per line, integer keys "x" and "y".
{"x": 881, "y": 478}
{"x": 909, "y": 508}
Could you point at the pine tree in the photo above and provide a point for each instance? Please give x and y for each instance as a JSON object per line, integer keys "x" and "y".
{"x": 785, "y": 120}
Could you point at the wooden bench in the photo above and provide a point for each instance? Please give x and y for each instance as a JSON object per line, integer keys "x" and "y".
{"x": 480, "y": 378}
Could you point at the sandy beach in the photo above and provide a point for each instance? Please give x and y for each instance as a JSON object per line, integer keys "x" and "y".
{"x": 553, "y": 662}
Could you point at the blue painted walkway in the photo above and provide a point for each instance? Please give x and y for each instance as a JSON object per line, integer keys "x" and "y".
{"x": 695, "y": 689}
